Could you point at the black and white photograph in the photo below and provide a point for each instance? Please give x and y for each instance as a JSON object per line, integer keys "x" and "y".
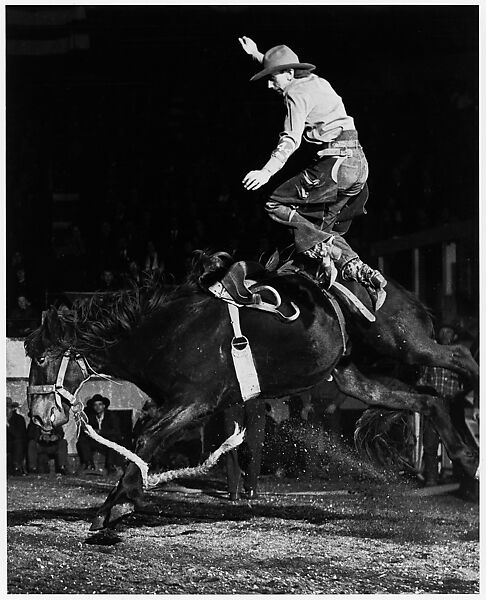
{"x": 242, "y": 281}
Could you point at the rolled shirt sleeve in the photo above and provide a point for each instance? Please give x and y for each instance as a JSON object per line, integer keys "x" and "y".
{"x": 291, "y": 137}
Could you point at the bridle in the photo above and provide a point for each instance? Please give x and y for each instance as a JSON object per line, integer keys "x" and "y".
{"x": 77, "y": 407}
{"x": 58, "y": 388}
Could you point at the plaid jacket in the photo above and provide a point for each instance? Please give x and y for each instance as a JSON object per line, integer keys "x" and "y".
{"x": 446, "y": 383}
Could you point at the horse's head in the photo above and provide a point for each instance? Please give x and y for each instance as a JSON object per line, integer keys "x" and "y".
{"x": 56, "y": 372}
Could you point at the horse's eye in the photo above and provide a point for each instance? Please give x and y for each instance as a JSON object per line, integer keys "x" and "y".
{"x": 41, "y": 360}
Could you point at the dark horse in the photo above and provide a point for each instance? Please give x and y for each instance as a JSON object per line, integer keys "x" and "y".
{"x": 175, "y": 346}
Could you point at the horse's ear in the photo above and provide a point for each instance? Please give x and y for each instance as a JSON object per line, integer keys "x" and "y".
{"x": 53, "y": 326}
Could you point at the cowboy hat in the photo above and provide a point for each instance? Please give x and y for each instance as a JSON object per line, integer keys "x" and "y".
{"x": 98, "y": 398}
{"x": 11, "y": 403}
{"x": 280, "y": 58}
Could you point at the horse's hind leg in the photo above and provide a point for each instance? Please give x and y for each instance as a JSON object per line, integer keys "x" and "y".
{"x": 353, "y": 383}
{"x": 129, "y": 489}
{"x": 454, "y": 357}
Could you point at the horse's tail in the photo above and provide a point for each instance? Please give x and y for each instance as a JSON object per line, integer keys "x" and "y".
{"x": 385, "y": 437}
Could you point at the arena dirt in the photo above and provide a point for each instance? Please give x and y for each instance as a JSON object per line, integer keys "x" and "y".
{"x": 339, "y": 537}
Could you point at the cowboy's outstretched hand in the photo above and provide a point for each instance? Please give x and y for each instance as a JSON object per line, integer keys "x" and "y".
{"x": 250, "y": 47}
{"x": 255, "y": 179}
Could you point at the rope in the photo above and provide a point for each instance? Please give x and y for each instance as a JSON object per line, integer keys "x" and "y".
{"x": 232, "y": 442}
{"x": 128, "y": 454}
{"x": 151, "y": 481}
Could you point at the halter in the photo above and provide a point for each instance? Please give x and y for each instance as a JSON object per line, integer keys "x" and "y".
{"x": 58, "y": 388}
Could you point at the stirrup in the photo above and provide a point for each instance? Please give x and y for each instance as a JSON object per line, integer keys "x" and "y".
{"x": 371, "y": 279}
{"x": 378, "y": 297}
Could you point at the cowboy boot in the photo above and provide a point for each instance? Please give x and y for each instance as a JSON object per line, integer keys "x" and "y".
{"x": 326, "y": 253}
{"x": 371, "y": 279}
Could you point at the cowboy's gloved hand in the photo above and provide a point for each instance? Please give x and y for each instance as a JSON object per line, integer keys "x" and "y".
{"x": 250, "y": 47}
{"x": 255, "y": 179}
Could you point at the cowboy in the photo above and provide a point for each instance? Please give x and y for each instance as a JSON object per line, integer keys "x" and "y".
{"x": 450, "y": 388}
{"x": 42, "y": 446}
{"x": 105, "y": 424}
{"x": 16, "y": 439}
{"x": 310, "y": 202}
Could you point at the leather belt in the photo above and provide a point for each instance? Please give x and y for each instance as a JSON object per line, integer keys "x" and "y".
{"x": 339, "y": 148}
{"x": 344, "y": 144}
{"x": 335, "y": 151}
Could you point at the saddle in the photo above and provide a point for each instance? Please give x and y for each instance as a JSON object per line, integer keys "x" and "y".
{"x": 240, "y": 286}
{"x": 245, "y": 284}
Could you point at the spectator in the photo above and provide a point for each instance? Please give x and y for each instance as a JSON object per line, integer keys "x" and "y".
{"x": 23, "y": 319}
{"x": 449, "y": 386}
{"x": 105, "y": 424}
{"x": 20, "y": 286}
{"x": 151, "y": 258}
{"x": 16, "y": 439}
{"x": 134, "y": 275}
{"x": 17, "y": 261}
{"x": 108, "y": 283}
{"x": 42, "y": 446}
{"x": 148, "y": 412}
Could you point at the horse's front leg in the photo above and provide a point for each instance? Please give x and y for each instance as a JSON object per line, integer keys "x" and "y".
{"x": 127, "y": 495}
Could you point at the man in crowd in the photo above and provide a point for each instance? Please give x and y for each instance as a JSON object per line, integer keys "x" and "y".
{"x": 105, "y": 424}
{"x": 43, "y": 446}
{"x": 148, "y": 412}
{"x": 16, "y": 439}
{"x": 450, "y": 387}
{"x": 22, "y": 319}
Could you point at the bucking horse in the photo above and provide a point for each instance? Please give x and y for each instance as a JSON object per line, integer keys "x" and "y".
{"x": 176, "y": 346}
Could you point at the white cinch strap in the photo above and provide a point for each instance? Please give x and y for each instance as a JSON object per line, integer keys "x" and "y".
{"x": 234, "y": 314}
{"x": 243, "y": 358}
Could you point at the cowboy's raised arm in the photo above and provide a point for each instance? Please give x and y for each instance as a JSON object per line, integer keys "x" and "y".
{"x": 250, "y": 48}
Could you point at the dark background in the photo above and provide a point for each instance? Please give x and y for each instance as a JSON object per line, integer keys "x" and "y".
{"x": 153, "y": 123}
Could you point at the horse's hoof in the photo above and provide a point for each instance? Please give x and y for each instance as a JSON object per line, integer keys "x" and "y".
{"x": 98, "y": 523}
{"x": 119, "y": 511}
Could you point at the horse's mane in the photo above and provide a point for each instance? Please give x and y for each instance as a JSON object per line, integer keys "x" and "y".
{"x": 96, "y": 323}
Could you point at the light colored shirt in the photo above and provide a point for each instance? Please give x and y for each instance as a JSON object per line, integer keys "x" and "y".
{"x": 313, "y": 111}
